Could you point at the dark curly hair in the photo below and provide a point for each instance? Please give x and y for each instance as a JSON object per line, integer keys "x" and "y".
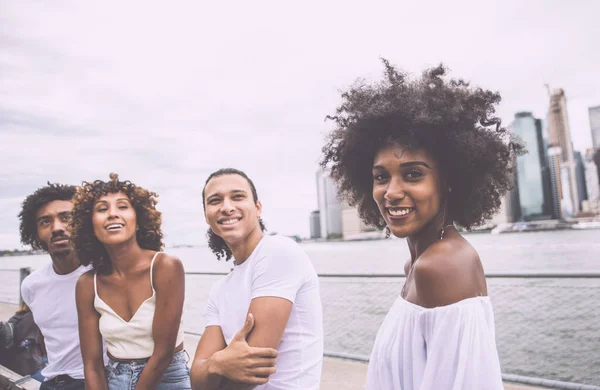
{"x": 92, "y": 251}
{"x": 215, "y": 242}
{"x": 445, "y": 117}
{"x": 31, "y": 205}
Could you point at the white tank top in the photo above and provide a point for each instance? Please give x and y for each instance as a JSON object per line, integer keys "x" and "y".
{"x": 130, "y": 339}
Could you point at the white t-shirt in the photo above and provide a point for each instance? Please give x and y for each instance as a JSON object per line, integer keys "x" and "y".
{"x": 277, "y": 267}
{"x": 51, "y": 298}
{"x": 447, "y": 347}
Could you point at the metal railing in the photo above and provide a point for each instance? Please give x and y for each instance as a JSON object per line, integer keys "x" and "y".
{"x": 546, "y": 322}
{"x": 547, "y": 329}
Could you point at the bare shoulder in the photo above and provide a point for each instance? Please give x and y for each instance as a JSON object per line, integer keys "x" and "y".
{"x": 167, "y": 267}
{"x": 86, "y": 280}
{"x": 448, "y": 272}
{"x": 85, "y": 284}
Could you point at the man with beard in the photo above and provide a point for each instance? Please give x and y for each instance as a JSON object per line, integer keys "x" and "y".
{"x": 50, "y": 290}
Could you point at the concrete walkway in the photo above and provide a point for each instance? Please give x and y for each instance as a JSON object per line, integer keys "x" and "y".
{"x": 337, "y": 373}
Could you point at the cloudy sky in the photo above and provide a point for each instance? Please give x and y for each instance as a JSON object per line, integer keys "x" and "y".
{"x": 164, "y": 93}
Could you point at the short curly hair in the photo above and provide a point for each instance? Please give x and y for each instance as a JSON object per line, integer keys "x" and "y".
{"x": 216, "y": 244}
{"x": 89, "y": 249}
{"x": 31, "y": 205}
{"x": 445, "y": 117}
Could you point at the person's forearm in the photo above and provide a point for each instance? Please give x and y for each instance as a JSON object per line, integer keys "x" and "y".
{"x": 95, "y": 377}
{"x": 154, "y": 370}
{"x": 204, "y": 375}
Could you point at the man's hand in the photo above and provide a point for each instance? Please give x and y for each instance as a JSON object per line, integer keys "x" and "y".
{"x": 242, "y": 363}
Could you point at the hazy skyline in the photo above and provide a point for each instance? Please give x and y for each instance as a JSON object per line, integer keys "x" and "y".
{"x": 164, "y": 95}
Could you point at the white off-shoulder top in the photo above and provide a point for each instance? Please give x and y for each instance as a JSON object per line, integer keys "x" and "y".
{"x": 447, "y": 347}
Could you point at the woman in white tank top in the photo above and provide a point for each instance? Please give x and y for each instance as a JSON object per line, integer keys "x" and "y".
{"x": 133, "y": 296}
{"x": 416, "y": 157}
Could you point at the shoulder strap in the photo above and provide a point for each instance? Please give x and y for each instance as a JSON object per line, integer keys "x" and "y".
{"x": 151, "y": 267}
{"x": 95, "y": 286}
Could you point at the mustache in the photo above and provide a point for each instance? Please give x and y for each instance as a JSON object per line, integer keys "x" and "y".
{"x": 59, "y": 236}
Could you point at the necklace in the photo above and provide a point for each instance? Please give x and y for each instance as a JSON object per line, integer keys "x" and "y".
{"x": 412, "y": 265}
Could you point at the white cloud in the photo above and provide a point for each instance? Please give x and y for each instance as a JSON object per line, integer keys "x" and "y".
{"x": 165, "y": 94}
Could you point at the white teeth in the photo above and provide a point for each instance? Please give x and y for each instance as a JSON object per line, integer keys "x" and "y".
{"x": 399, "y": 212}
{"x": 230, "y": 221}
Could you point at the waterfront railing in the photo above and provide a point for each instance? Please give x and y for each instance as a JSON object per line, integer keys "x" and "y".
{"x": 547, "y": 330}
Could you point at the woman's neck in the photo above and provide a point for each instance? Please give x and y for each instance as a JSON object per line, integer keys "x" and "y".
{"x": 125, "y": 257}
{"x": 418, "y": 243}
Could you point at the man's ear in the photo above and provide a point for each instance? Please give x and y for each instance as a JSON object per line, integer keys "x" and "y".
{"x": 258, "y": 208}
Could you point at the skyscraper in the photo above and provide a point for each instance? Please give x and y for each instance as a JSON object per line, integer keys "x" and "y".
{"x": 595, "y": 126}
{"x": 582, "y": 193}
{"x": 591, "y": 176}
{"x": 352, "y": 225}
{"x": 559, "y": 140}
{"x": 554, "y": 159}
{"x": 330, "y": 206}
{"x": 315, "y": 224}
{"x": 533, "y": 175}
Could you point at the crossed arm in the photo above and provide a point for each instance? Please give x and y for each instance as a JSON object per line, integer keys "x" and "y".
{"x": 249, "y": 359}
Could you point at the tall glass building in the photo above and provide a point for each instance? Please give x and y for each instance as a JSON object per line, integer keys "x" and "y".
{"x": 595, "y": 125}
{"x": 330, "y": 206}
{"x": 533, "y": 175}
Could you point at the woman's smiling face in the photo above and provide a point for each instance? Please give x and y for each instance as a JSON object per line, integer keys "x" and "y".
{"x": 114, "y": 219}
{"x": 406, "y": 188}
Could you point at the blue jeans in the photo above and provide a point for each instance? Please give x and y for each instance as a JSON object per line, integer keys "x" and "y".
{"x": 125, "y": 375}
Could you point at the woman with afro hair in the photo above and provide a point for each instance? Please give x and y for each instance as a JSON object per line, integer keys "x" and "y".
{"x": 418, "y": 157}
{"x": 133, "y": 296}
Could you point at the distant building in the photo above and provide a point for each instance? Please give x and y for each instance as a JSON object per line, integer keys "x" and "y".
{"x": 503, "y": 215}
{"x": 591, "y": 206}
{"x": 315, "y": 224}
{"x": 330, "y": 206}
{"x": 595, "y": 125}
{"x": 591, "y": 176}
{"x": 510, "y": 210}
{"x": 559, "y": 139}
{"x": 533, "y": 175}
{"x": 352, "y": 224}
{"x": 580, "y": 174}
{"x": 554, "y": 159}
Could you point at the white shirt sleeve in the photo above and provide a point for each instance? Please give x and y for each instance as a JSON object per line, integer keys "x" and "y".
{"x": 212, "y": 311}
{"x": 25, "y": 292}
{"x": 461, "y": 348}
{"x": 280, "y": 271}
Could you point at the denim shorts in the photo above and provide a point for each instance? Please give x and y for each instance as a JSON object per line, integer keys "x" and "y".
{"x": 125, "y": 375}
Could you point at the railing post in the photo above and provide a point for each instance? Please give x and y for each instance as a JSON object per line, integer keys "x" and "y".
{"x": 23, "y": 272}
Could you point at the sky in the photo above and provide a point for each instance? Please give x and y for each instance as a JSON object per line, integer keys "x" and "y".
{"x": 164, "y": 93}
